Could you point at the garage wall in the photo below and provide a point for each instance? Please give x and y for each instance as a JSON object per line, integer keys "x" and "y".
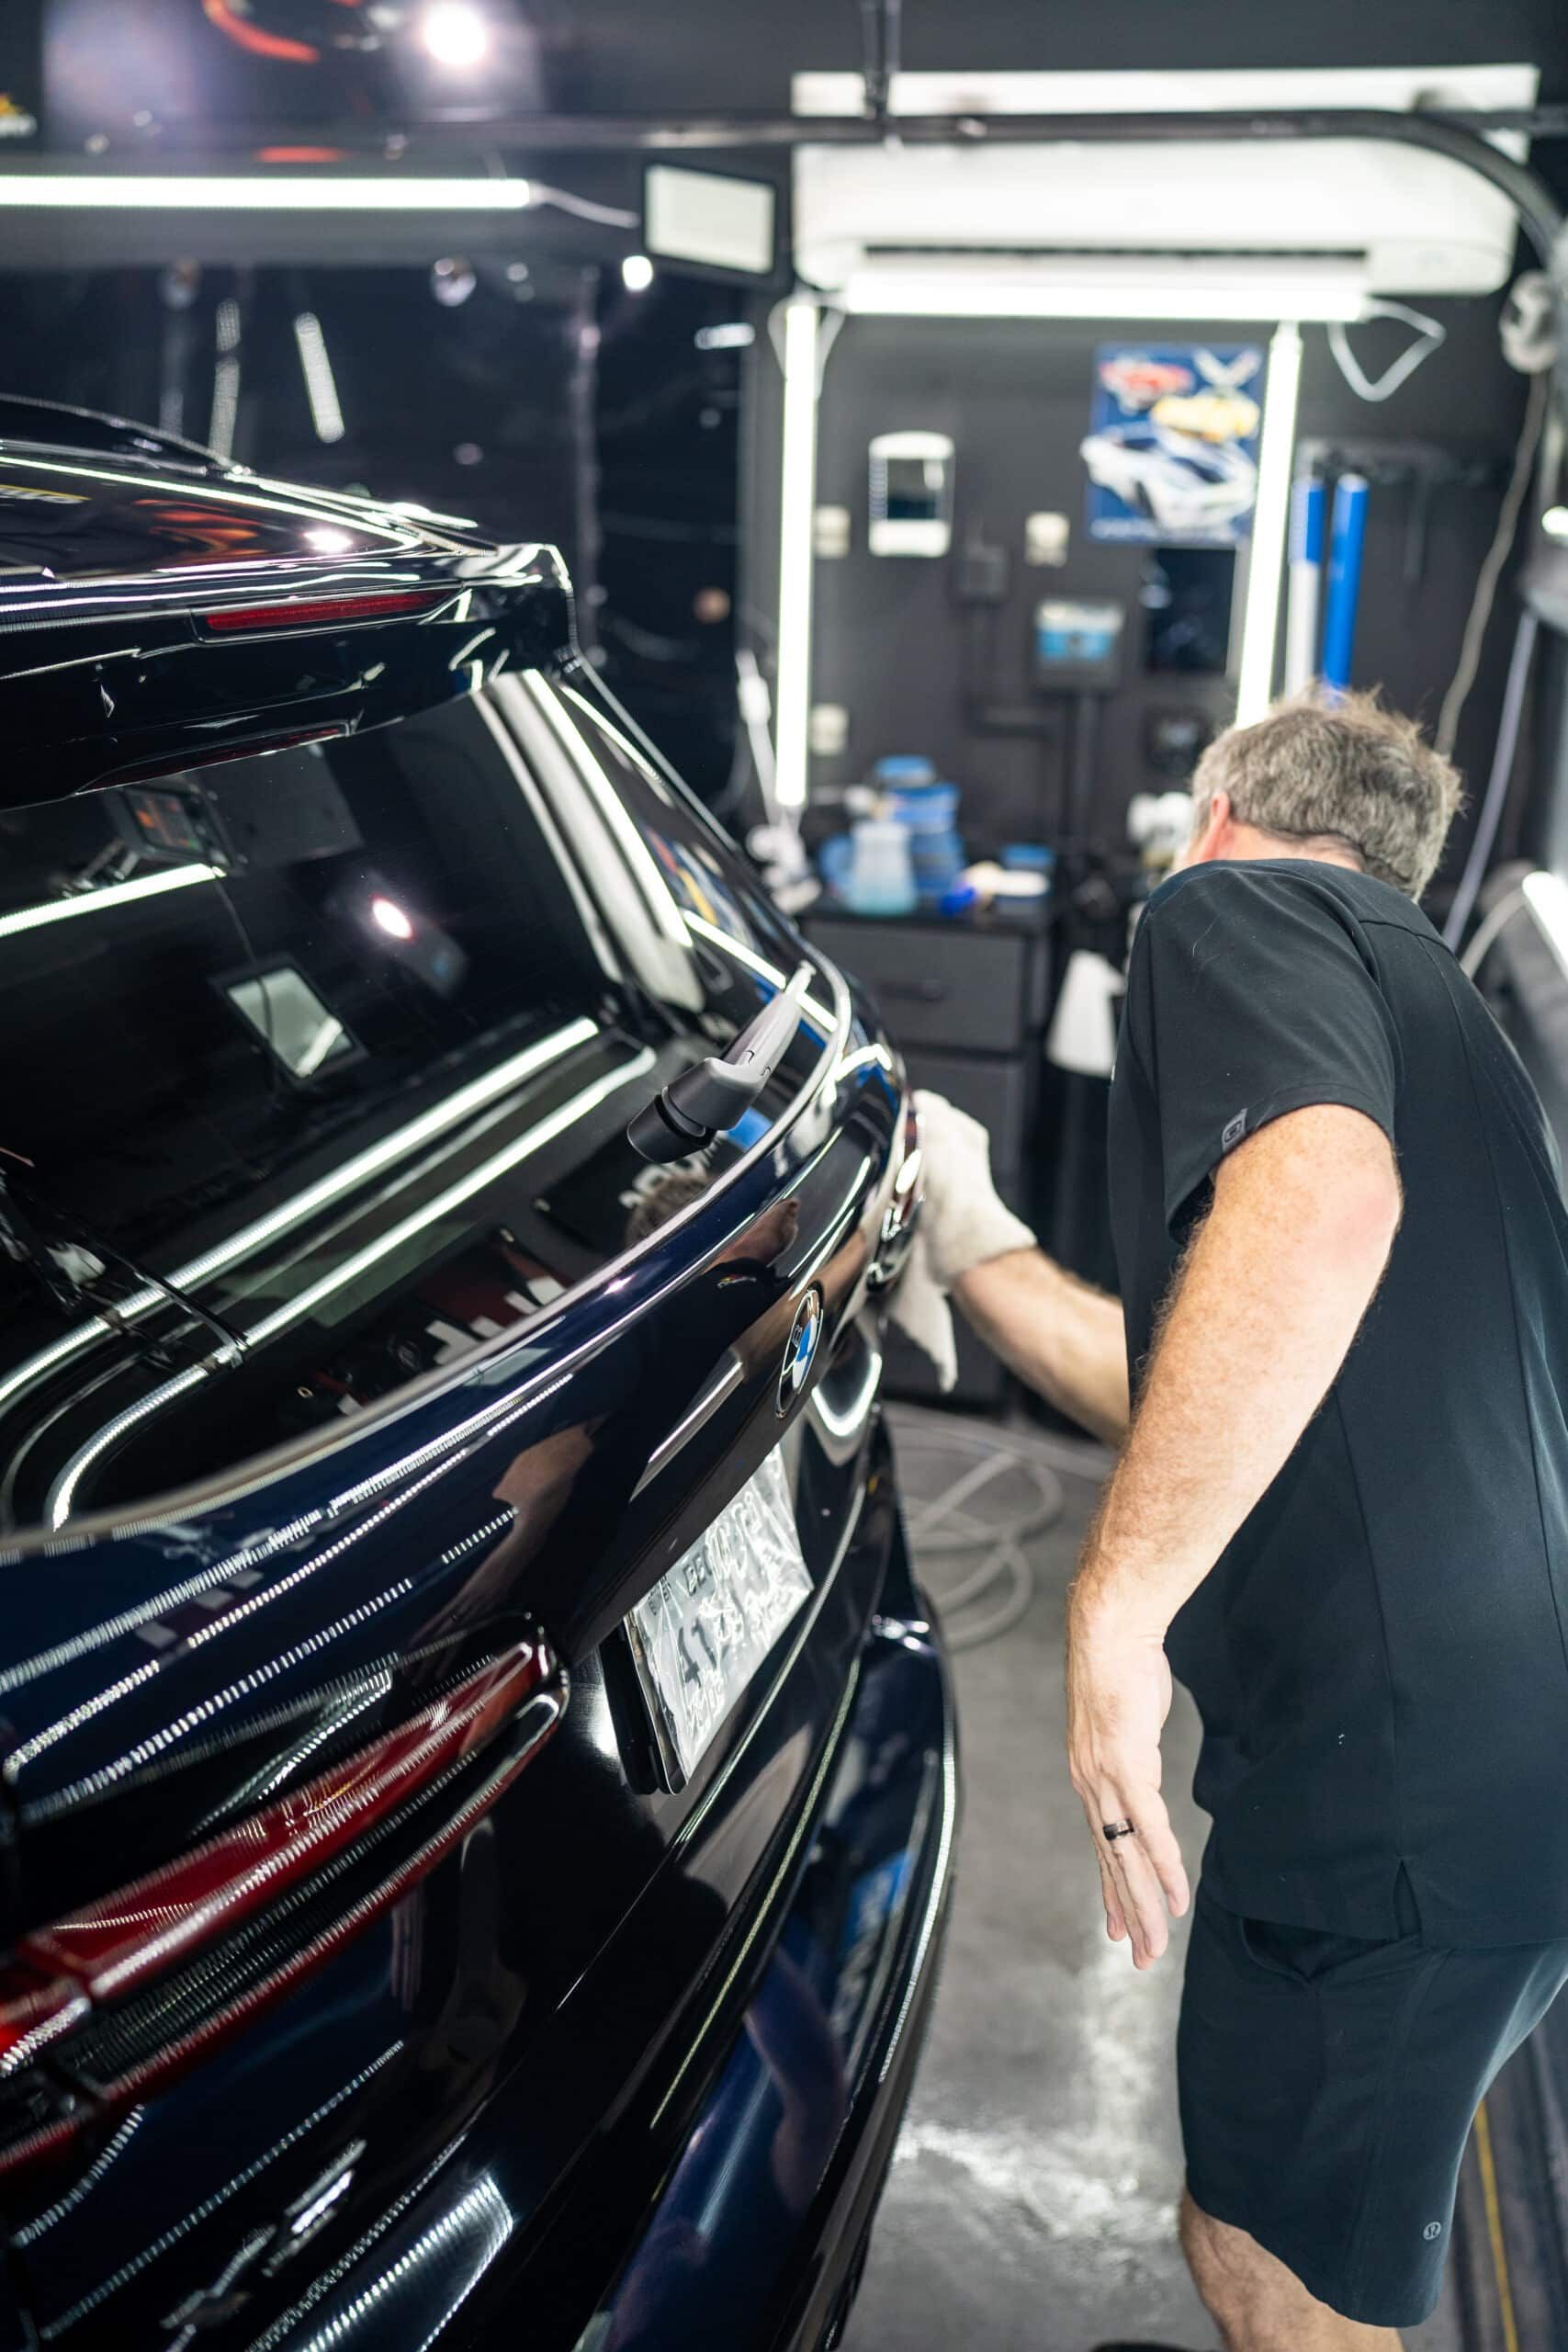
{"x": 1014, "y": 395}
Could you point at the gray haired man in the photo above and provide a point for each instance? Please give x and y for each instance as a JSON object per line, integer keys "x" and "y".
{"x": 1339, "y": 1513}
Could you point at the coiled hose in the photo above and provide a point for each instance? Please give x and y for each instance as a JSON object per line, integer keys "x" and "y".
{"x": 945, "y": 1525}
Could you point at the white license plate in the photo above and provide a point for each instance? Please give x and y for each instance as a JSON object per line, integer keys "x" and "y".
{"x": 707, "y": 1625}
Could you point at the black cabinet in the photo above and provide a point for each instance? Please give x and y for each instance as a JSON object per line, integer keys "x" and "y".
{"x": 964, "y": 1000}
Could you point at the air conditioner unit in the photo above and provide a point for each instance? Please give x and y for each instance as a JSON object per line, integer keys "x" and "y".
{"x": 1245, "y": 229}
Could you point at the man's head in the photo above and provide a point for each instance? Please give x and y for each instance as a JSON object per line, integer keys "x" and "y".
{"x": 1344, "y": 779}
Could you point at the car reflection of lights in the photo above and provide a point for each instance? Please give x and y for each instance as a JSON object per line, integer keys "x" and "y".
{"x": 452, "y": 2255}
{"x": 349, "y": 1270}
{"x": 114, "y": 894}
{"x": 758, "y": 963}
{"x": 476, "y": 1096}
{"x": 387, "y": 916}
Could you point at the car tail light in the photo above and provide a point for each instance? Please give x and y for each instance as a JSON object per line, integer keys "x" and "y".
{"x": 320, "y": 611}
{"x": 65, "y": 1977}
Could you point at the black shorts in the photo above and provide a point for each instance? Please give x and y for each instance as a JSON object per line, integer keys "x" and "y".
{"x": 1328, "y": 2089}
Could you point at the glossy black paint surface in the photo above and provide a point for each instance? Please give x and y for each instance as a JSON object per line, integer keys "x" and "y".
{"x": 345, "y": 1338}
{"x": 114, "y": 559}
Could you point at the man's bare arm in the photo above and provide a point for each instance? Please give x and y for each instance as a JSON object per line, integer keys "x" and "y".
{"x": 1065, "y": 1339}
{"x": 1265, "y": 1307}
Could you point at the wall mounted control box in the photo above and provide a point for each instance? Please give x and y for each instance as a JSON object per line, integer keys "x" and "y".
{"x": 1077, "y": 645}
{"x": 911, "y": 494}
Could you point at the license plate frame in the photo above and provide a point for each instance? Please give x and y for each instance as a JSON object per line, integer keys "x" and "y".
{"x": 702, "y": 1635}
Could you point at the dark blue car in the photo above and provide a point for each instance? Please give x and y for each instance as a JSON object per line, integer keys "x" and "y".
{"x": 476, "y": 1780}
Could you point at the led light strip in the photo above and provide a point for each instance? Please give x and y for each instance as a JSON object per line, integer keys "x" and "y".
{"x": 1271, "y": 522}
{"x": 321, "y": 384}
{"x": 797, "y": 501}
{"x": 257, "y": 192}
{"x": 1169, "y": 288}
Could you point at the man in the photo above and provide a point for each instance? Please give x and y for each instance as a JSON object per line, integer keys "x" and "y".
{"x": 1340, "y": 1514}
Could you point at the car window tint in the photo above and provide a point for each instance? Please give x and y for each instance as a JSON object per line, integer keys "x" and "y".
{"x": 317, "y": 1069}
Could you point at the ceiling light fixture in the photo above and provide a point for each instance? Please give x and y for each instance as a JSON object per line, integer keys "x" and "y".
{"x": 257, "y": 192}
{"x": 387, "y": 916}
{"x": 454, "y": 34}
{"x": 321, "y": 384}
{"x": 1121, "y": 287}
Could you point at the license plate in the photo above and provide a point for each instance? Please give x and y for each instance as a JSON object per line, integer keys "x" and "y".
{"x": 707, "y": 1625}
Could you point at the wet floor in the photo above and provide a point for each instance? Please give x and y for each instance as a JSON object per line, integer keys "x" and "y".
{"x": 1031, "y": 2202}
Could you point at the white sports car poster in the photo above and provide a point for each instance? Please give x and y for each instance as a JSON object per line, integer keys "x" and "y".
{"x": 1173, "y": 446}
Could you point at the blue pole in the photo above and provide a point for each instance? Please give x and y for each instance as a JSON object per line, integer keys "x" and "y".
{"x": 1346, "y": 534}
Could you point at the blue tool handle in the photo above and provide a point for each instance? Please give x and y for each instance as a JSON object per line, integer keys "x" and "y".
{"x": 1346, "y": 534}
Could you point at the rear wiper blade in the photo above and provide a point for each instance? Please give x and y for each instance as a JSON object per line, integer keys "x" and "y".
{"x": 72, "y": 1265}
{"x": 716, "y": 1094}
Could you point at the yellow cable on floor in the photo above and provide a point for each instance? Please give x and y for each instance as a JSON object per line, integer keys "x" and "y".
{"x": 1494, "y": 2227}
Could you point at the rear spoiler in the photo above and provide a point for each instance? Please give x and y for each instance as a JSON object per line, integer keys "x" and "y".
{"x": 110, "y": 681}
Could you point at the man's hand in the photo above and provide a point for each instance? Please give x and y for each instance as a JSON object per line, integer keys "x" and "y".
{"x": 1118, "y": 1698}
{"x": 1066, "y": 1339}
{"x": 961, "y": 1216}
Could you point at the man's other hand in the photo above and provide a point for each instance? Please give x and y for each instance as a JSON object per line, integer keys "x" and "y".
{"x": 1118, "y": 1698}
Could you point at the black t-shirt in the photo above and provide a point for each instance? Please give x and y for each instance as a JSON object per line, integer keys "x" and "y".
{"x": 1379, "y": 1655}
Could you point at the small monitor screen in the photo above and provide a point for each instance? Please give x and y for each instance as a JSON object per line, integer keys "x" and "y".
{"x": 710, "y": 218}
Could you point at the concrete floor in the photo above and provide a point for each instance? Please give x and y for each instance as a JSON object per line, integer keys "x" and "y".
{"x": 1031, "y": 2202}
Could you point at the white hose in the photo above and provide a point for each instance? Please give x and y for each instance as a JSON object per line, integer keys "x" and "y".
{"x": 944, "y": 1526}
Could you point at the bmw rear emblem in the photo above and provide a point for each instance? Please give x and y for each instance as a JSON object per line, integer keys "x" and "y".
{"x": 806, "y": 1333}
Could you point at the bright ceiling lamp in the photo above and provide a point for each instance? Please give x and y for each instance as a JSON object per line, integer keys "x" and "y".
{"x": 257, "y": 192}
{"x": 454, "y": 34}
{"x": 1107, "y": 286}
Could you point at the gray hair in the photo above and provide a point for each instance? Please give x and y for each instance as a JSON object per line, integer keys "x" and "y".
{"x": 1343, "y": 770}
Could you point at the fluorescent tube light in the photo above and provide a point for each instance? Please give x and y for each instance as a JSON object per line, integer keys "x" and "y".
{"x": 798, "y": 499}
{"x": 1107, "y": 286}
{"x": 321, "y": 384}
{"x": 1270, "y": 521}
{"x": 116, "y": 894}
{"x": 257, "y": 192}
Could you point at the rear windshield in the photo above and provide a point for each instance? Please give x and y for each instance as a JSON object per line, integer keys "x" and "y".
{"x": 317, "y": 1069}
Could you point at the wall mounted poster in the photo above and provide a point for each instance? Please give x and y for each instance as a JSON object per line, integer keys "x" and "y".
{"x": 1172, "y": 446}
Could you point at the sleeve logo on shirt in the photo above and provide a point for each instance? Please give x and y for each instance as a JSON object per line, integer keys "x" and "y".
{"x": 1234, "y": 1132}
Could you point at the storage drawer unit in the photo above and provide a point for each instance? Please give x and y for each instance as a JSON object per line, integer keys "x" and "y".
{"x": 966, "y": 1006}
{"x": 947, "y": 985}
